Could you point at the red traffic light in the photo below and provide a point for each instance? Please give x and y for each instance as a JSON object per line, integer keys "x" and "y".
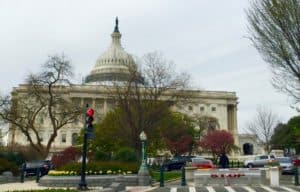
{"x": 90, "y": 112}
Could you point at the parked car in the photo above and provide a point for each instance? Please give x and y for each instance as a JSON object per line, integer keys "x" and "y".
{"x": 187, "y": 158}
{"x": 43, "y": 165}
{"x": 202, "y": 163}
{"x": 175, "y": 163}
{"x": 259, "y": 161}
{"x": 286, "y": 165}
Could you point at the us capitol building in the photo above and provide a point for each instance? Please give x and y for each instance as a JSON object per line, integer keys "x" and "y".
{"x": 220, "y": 107}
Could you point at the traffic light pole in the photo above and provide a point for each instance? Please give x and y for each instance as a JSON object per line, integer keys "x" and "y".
{"x": 82, "y": 185}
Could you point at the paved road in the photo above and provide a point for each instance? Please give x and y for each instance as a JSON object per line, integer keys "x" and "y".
{"x": 286, "y": 186}
{"x": 259, "y": 188}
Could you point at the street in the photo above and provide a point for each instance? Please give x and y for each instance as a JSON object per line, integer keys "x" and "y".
{"x": 286, "y": 185}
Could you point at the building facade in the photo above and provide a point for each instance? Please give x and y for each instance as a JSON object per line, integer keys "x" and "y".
{"x": 218, "y": 107}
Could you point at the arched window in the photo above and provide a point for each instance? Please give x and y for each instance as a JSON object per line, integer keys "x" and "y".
{"x": 248, "y": 149}
{"x": 74, "y": 138}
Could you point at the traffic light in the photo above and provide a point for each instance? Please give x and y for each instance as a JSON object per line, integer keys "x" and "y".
{"x": 89, "y": 129}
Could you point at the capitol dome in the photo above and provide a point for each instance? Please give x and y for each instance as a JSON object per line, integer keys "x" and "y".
{"x": 113, "y": 64}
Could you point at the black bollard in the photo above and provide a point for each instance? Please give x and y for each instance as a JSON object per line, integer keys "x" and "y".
{"x": 37, "y": 179}
{"x": 23, "y": 167}
{"x": 297, "y": 176}
{"x": 183, "y": 180}
{"x": 161, "y": 176}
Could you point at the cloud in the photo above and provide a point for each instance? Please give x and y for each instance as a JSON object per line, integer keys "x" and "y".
{"x": 205, "y": 38}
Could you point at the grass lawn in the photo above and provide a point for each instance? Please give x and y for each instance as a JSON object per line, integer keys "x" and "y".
{"x": 168, "y": 175}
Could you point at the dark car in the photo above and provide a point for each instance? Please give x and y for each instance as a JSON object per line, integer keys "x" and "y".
{"x": 31, "y": 167}
{"x": 175, "y": 163}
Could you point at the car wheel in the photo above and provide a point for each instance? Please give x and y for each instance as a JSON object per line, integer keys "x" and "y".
{"x": 250, "y": 165}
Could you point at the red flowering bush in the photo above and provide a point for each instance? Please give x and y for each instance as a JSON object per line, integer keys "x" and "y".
{"x": 218, "y": 142}
{"x": 70, "y": 154}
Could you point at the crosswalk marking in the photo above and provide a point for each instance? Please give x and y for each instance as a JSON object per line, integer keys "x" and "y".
{"x": 268, "y": 188}
{"x": 210, "y": 189}
{"x": 248, "y": 189}
{"x": 229, "y": 189}
{"x": 288, "y": 189}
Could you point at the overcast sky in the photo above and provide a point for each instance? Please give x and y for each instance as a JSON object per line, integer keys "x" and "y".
{"x": 206, "y": 38}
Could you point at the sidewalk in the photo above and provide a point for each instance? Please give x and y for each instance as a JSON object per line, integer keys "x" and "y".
{"x": 32, "y": 185}
{"x": 28, "y": 185}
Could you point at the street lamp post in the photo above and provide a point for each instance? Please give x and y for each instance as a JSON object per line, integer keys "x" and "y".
{"x": 143, "y": 167}
{"x": 143, "y": 174}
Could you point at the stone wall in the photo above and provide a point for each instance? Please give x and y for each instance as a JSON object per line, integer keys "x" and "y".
{"x": 7, "y": 177}
{"x": 93, "y": 181}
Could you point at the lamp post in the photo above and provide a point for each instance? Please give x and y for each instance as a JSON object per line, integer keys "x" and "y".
{"x": 143, "y": 168}
{"x": 143, "y": 174}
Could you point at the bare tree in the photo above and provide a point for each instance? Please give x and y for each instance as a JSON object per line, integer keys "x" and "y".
{"x": 263, "y": 126}
{"x": 147, "y": 95}
{"x": 42, "y": 97}
{"x": 275, "y": 32}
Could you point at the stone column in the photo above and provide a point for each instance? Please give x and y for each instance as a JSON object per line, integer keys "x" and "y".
{"x": 234, "y": 119}
{"x": 81, "y": 102}
{"x": 93, "y": 103}
{"x": 229, "y": 117}
{"x": 105, "y": 106}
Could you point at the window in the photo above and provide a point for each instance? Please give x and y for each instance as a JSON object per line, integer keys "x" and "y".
{"x": 263, "y": 157}
{"x": 190, "y": 108}
{"x": 213, "y": 109}
{"x": 63, "y": 138}
{"x": 74, "y": 138}
{"x": 202, "y": 108}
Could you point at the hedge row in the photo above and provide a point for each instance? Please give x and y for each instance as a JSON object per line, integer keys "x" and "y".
{"x": 102, "y": 167}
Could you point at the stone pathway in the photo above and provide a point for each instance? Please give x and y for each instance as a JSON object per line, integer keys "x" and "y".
{"x": 28, "y": 185}
{"x": 32, "y": 185}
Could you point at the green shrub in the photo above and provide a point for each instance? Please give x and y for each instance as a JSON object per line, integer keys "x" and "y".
{"x": 8, "y": 166}
{"x": 272, "y": 164}
{"x": 125, "y": 154}
{"x": 13, "y": 157}
{"x": 101, "y": 156}
{"x": 102, "y": 167}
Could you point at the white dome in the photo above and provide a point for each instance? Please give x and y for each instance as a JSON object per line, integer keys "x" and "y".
{"x": 113, "y": 63}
